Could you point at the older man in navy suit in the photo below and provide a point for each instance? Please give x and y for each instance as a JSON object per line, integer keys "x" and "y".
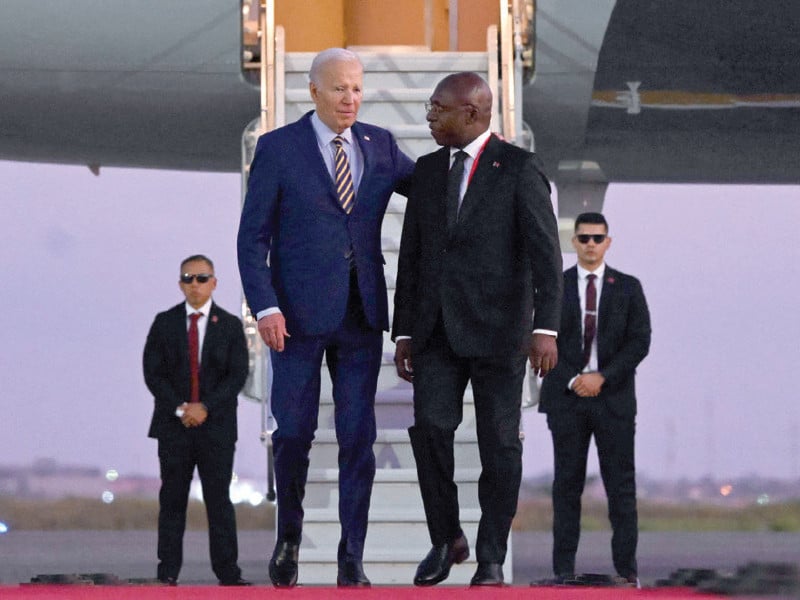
{"x": 312, "y": 271}
{"x": 605, "y": 334}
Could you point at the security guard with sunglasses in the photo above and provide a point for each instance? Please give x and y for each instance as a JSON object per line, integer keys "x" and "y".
{"x": 195, "y": 364}
{"x": 604, "y": 335}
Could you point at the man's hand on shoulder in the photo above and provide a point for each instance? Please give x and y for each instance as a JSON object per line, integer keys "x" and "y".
{"x": 543, "y": 353}
{"x": 402, "y": 359}
{"x": 273, "y": 331}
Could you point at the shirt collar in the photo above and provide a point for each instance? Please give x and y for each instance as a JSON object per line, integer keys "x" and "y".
{"x": 474, "y": 147}
{"x": 325, "y": 134}
{"x": 599, "y": 271}
{"x": 204, "y": 310}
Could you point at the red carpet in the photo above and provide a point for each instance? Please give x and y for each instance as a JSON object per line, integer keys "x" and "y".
{"x": 70, "y": 592}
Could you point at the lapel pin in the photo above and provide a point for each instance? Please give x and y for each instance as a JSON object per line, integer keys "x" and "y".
{"x": 609, "y": 280}
{"x": 495, "y": 164}
{"x": 366, "y": 137}
{"x": 214, "y": 319}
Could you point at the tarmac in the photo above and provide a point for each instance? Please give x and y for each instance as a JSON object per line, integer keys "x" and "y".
{"x": 132, "y": 554}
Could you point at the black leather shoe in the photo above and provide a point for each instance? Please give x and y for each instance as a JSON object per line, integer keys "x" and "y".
{"x": 283, "y": 565}
{"x": 488, "y": 574}
{"x": 235, "y": 582}
{"x": 435, "y": 567}
{"x": 351, "y": 574}
{"x": 173, "y": 581}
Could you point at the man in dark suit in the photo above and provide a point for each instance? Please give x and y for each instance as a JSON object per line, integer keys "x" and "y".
{"x": 195, "y": 364}
{"x": 468, "y": 280}
{"x": 317, "y": 193}
{"x": 605, "y": 334}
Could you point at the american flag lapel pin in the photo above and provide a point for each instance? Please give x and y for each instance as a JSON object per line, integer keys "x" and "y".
{"x": 495, "y": 164}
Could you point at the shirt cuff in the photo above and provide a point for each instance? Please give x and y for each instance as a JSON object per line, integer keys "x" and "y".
{"x": 272, "y": 310}
{"x": 546, "y": 332}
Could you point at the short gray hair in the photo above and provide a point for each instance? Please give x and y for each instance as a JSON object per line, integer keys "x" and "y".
{"x": 328, "y": 56}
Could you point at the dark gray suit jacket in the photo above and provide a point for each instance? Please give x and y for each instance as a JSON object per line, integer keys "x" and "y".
{"x": 223, "y": 371}
{"x": 623, "y": 340}
{"x": 501, "y": 260}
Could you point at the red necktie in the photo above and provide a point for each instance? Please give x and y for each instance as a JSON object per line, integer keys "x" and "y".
{"x": 590, "y": 320}
{"x": 194, "y": 351}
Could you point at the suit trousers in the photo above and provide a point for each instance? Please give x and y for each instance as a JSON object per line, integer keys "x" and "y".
{"x": 440, "y": 379}
{"x": 614, "y": 436}
{"x": 353, "y": 354}
{"x": 178, "y": 458}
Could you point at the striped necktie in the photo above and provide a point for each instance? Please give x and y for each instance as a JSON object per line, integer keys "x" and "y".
{"x": 343, "y": 179}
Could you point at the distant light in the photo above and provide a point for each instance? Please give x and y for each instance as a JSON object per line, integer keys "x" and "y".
{"x": 108, "y": 497}
{"x": 112, "y": 475}
{"x": 3, "y": 528}
{"x": 726, "y": 489}
{"x": 256, "y": 499}
{"x": 763, "y": 499}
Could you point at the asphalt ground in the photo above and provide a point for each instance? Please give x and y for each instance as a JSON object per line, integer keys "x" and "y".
{"x": 132, "y": 554}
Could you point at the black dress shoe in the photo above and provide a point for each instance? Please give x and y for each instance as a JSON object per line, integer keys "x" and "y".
{"x": 173, "y": 581}
{"x": 435, "y": 567}
{"x": 488, "y": 574}
{"x": 235, "y": 582}
{"x": 351, "y": 574}
{"x": 283, "y": 565}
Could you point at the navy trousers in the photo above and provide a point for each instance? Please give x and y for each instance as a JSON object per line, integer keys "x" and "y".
{"x": 353, "y": 354}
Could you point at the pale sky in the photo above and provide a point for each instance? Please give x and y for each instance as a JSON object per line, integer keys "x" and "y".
{"x": 88, "y": 261}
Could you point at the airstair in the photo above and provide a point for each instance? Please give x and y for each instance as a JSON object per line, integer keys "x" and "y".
{"x": 397, "y": 83}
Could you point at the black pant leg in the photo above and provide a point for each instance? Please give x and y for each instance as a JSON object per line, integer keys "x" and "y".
{"x": 497, "y": 391}
{"x": 177, "y": 466}
{"x": 215, "y": 467}
{"x": 614, "y": 436}
{"x": 571, "y": 433}
{"x": 440, "y": 378}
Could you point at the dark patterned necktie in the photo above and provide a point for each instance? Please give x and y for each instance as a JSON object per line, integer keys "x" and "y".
{"x": 590, "y": 319}
{"x": 454, "y": 177}
{"x": 194, "y": 351}
{"x": 342, "y": 178}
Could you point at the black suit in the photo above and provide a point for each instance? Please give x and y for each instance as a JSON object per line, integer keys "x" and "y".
{"x": 467, "y": 301}
{"x": 623, "y": 340}
{"x": 210, "y": 446}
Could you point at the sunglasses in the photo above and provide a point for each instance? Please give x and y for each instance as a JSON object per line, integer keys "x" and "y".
{"x": 584, "y": 238}
{"x": 188, "y": 278}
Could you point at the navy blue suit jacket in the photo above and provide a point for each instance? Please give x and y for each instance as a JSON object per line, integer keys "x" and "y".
{"x": 292, "y": 215}
{"x": 623, "y": 340}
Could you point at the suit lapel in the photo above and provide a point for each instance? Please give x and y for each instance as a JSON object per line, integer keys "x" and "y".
{"x": 606, "y": 299}
{"x": 308, "y": 146}
{"x": 484, "y": 177}
{"x": 210, "y": 338}
{"x": 572, "y": 301}
{"x": 181, "y": 335}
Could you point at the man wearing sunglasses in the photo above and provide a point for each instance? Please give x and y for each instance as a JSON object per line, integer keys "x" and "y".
{"x": 605, "y": 334}
{"x": 195, "y": 364}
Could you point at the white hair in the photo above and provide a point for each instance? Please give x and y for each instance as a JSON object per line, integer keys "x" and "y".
{"x": 328, "y": 56}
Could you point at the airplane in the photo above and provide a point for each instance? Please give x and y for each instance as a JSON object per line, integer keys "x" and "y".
{"x": 618, "y": 91}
